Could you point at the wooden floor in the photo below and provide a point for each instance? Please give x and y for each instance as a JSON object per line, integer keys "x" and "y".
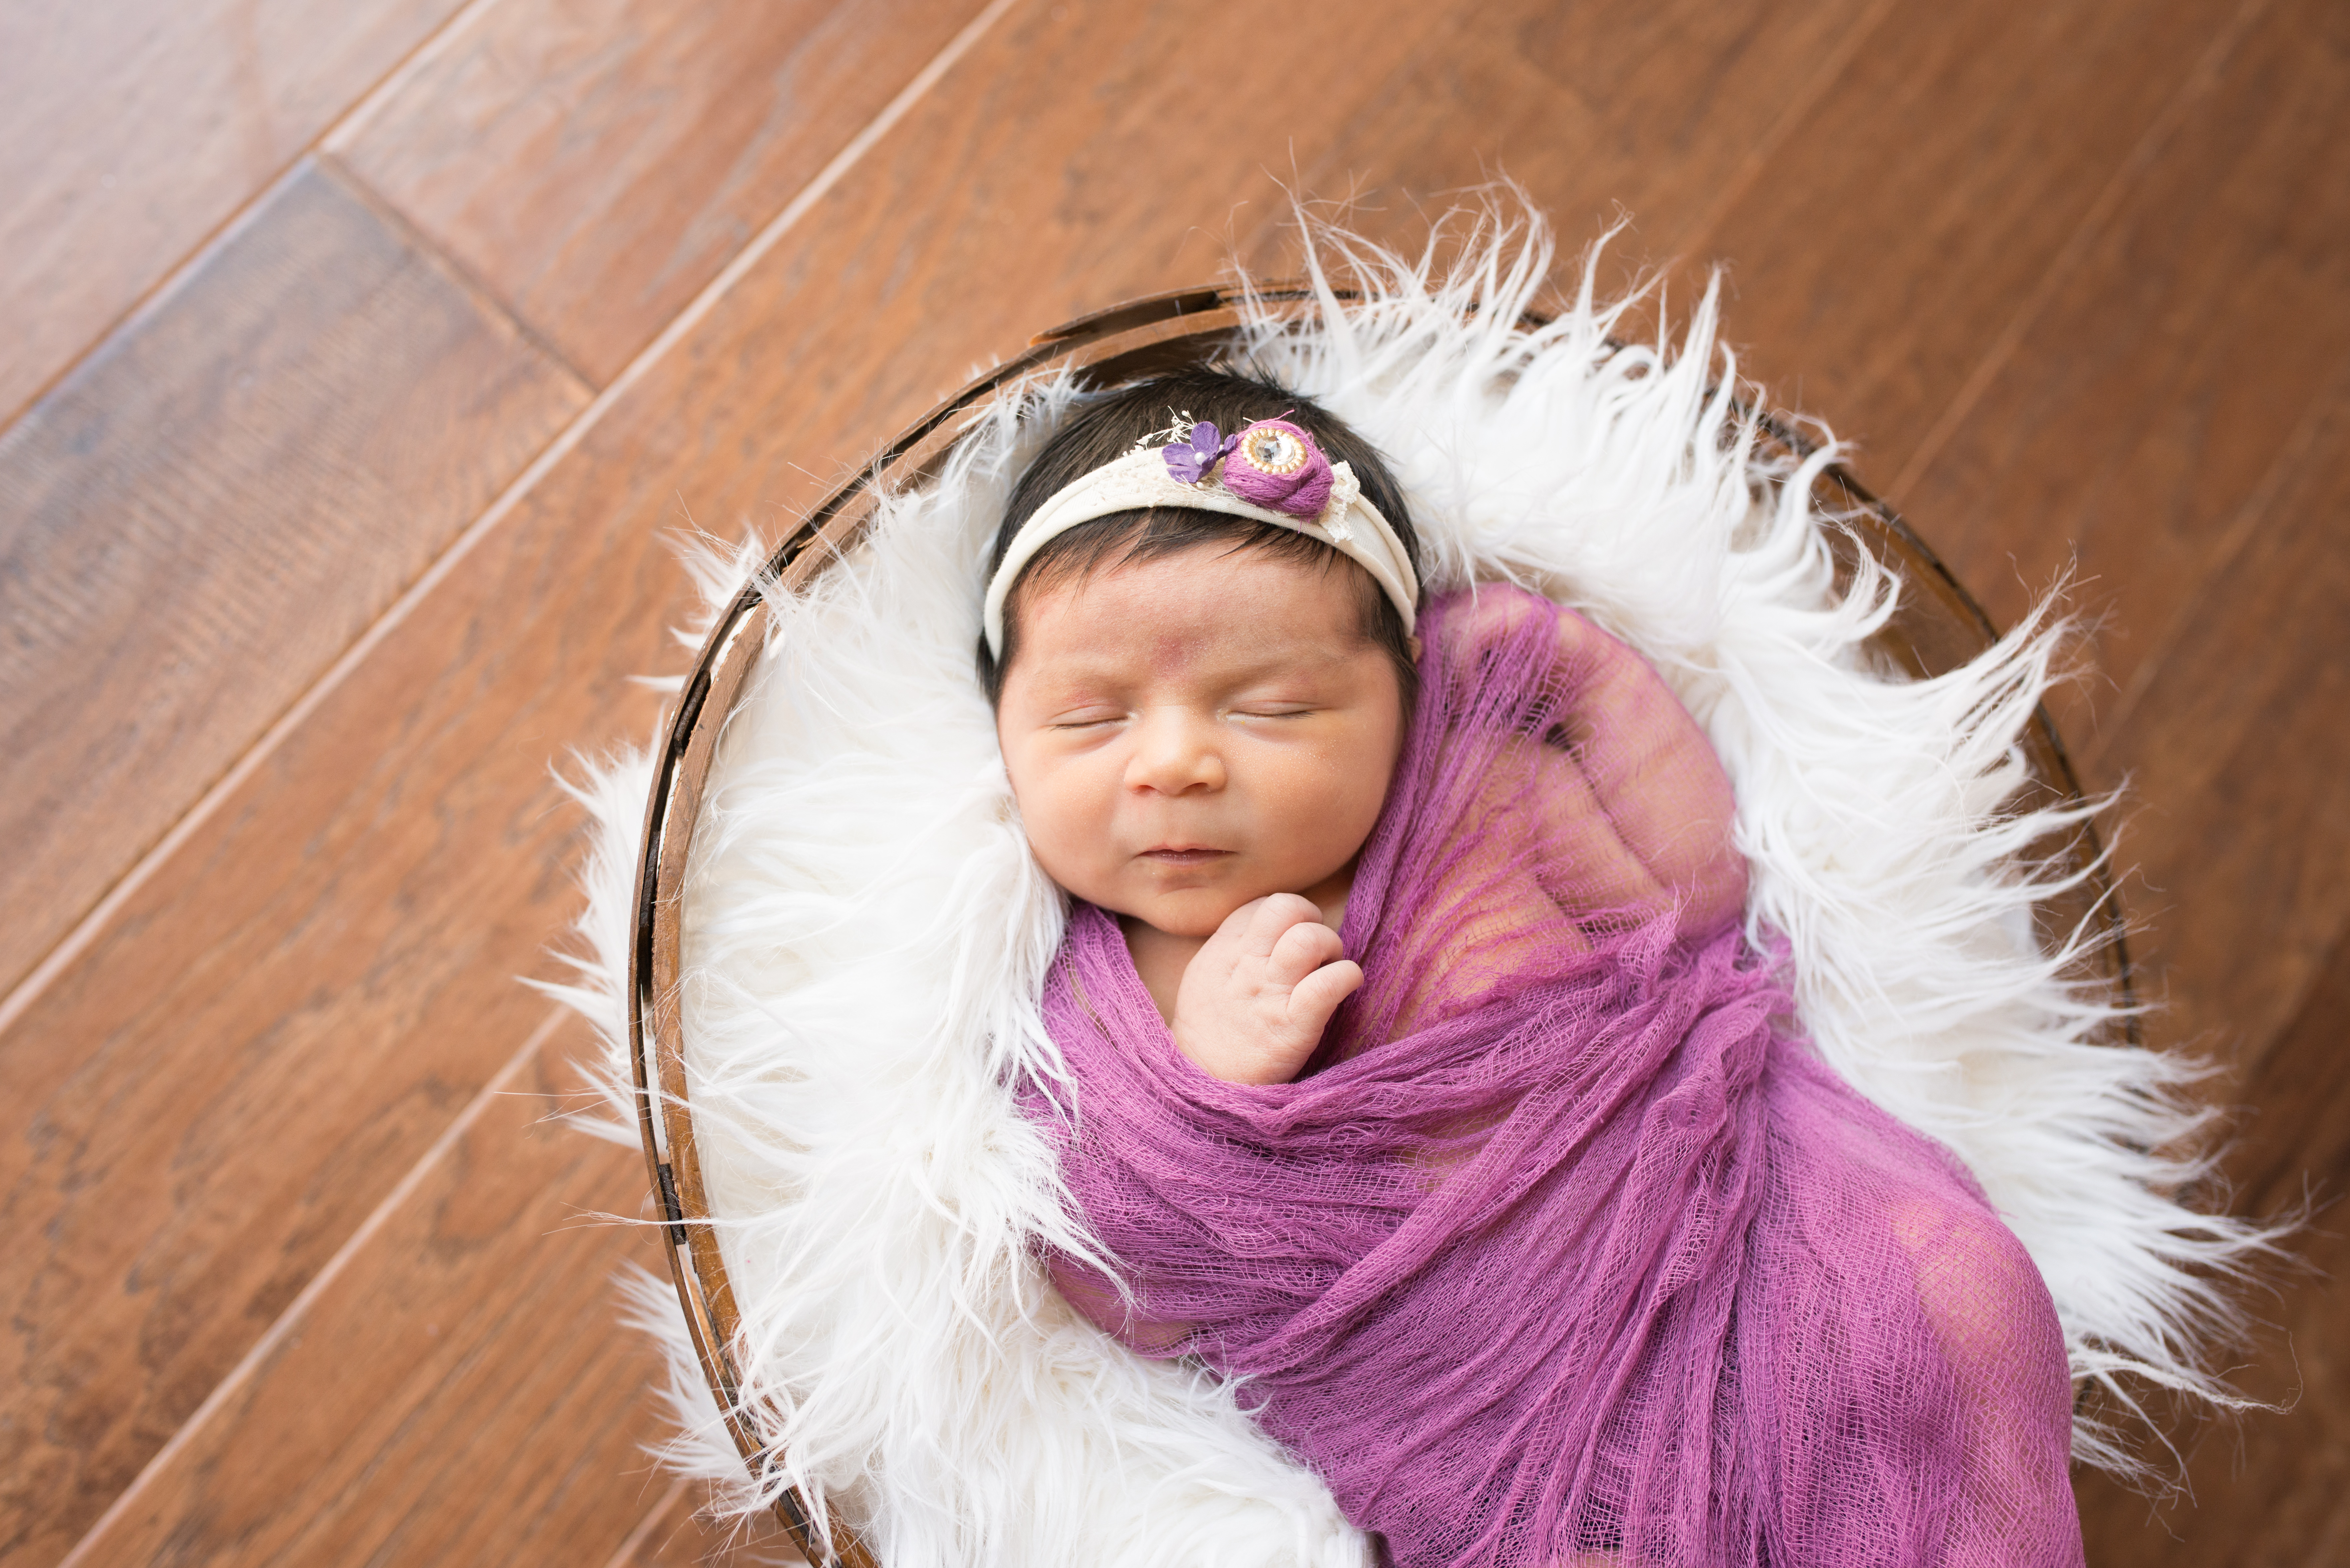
{"x": 355, "y": 360}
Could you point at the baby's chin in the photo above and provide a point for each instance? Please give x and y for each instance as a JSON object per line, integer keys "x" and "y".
{"x": 1191, "y": 912}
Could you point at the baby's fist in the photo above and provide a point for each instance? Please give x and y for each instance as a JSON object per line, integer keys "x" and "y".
{"x": 1255, "y": 997}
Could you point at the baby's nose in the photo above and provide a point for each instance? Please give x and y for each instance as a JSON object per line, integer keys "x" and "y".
{"x": 1175, "y": 754}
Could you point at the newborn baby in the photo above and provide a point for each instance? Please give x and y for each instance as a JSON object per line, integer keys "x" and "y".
{"x": 1200, "y": 743}
{"x": 1201, "y": 723}
{"x": 1423, "y": 1074}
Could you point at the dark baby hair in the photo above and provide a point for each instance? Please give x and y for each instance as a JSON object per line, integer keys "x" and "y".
{"x": 1107, "y": 427}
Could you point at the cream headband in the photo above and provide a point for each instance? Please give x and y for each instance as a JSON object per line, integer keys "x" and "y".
{"x": 1271, "y": 470}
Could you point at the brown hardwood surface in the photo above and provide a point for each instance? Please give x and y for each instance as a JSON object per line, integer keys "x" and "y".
{"x": 329, "y": 955}
{"x": 1660, "y": 115}
{"x": 2166, "y": 423}
{"x": 199, "y": 519}
{"x": 130, "y": 128}
{"x": 2245, "y": 784}
{"x": 906, "y": 276}
{"x": 1914, "y": 214}
{"x": 2269, "y": 1490}
{"x": 2240, "y": 770}
{"x": 595, "y": 164}
{"x": 396, "y": 1419}
{"x": 2033, "y": 254}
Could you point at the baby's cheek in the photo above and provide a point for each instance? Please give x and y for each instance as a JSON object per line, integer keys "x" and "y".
{"x": 1335, "y": 807}
{"x": 1067, "y": 829}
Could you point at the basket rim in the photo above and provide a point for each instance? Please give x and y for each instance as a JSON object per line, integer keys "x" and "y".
{"x": 1938, "y": 625}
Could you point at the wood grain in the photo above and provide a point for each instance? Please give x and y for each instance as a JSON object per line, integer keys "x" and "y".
{"x": 1657, "y": 115}
{"x": 1031, "y": 211}
{"x": 595, "y": 164}
{"x": 460, "y": 1394}
{"x": 1903, "y": 224}
{"x": 2168, "y": 426}
{"x": 132, "y": 128}
{"x": 329, "y": 958}
{"x": 207, "y": 512}
{"x": 2243, "y": 769}
{"x": 2271, "y": 1490}
{"x": 2171, "y": 372}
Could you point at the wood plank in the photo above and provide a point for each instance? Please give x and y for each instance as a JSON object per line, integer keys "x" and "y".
{"x": 459, "y": 1393}
{"x": 1035, "y": 210}
{"x": 208, "y": 511}
{"x": 326, "y": 954}
{"x": 341, "y": 943}
{"x": 1903, "y": 224}
{"x": 1602, "y": 112}
{"x": 2146, "y": 413}
{"x": 594, "y": 165}
{"x": 2168, "y": 424}
{"x": 1660, "y": 114}
{"x": 2240, "y": 759}
{"x": 2272, "y": 1491}
{"x": 132, "y": 128}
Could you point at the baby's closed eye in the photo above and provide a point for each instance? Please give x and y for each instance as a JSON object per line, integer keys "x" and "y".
{"x": 1087, "y": 718}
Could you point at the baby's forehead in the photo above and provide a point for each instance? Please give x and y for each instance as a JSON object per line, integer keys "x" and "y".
{"x": 1231, "y": 604}
{"x": 1226, "y": 651}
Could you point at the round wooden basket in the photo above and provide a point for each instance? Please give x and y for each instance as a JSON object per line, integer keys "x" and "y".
{"x": 1938, "y": 626}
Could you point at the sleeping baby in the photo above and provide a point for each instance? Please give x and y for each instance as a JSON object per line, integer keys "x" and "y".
{"x": 1420, "y": 1069}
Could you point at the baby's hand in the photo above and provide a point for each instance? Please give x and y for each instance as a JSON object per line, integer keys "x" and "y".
{"x": 1255, "y": 996}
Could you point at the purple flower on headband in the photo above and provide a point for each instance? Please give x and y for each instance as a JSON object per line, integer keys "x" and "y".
{"x": 1189, "y": 461}
{"x": 1276, "y": 464}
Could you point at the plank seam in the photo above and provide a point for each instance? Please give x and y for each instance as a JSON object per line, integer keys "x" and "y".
{"x": 356, "y": 119}
{"x": 625, "y": 1555}
{"x": 425, "y": 50}
{"x": 287, "y": 1321}
{"x": 86, "y": 931}
{"x": 467, "y": 282}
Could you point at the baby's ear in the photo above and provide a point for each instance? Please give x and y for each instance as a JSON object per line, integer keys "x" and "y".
{"x": 1413, "y": 646}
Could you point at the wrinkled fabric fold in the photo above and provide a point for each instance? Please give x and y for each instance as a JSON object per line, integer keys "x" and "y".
{"x": 1563, "y": 1250}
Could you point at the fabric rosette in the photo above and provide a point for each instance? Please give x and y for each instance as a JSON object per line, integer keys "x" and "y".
{"x": 1274, "y": 464}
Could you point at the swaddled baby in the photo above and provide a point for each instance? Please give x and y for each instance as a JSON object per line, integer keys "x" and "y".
{"x": 1422, "y": 1073}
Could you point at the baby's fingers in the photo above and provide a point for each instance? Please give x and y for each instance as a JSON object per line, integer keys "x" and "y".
{"x": 1300, "y": 951}
{"x": 1261, "y": 924}
{"x": 1314, "y": 999}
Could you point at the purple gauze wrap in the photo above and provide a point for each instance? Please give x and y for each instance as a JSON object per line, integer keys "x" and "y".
{"x": 1561, "y": 1250}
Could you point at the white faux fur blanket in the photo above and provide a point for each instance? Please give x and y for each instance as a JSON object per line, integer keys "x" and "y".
{"x": 865, "y": 932}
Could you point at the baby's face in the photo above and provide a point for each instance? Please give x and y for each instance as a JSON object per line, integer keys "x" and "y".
{"x": 1193, "y": 732}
